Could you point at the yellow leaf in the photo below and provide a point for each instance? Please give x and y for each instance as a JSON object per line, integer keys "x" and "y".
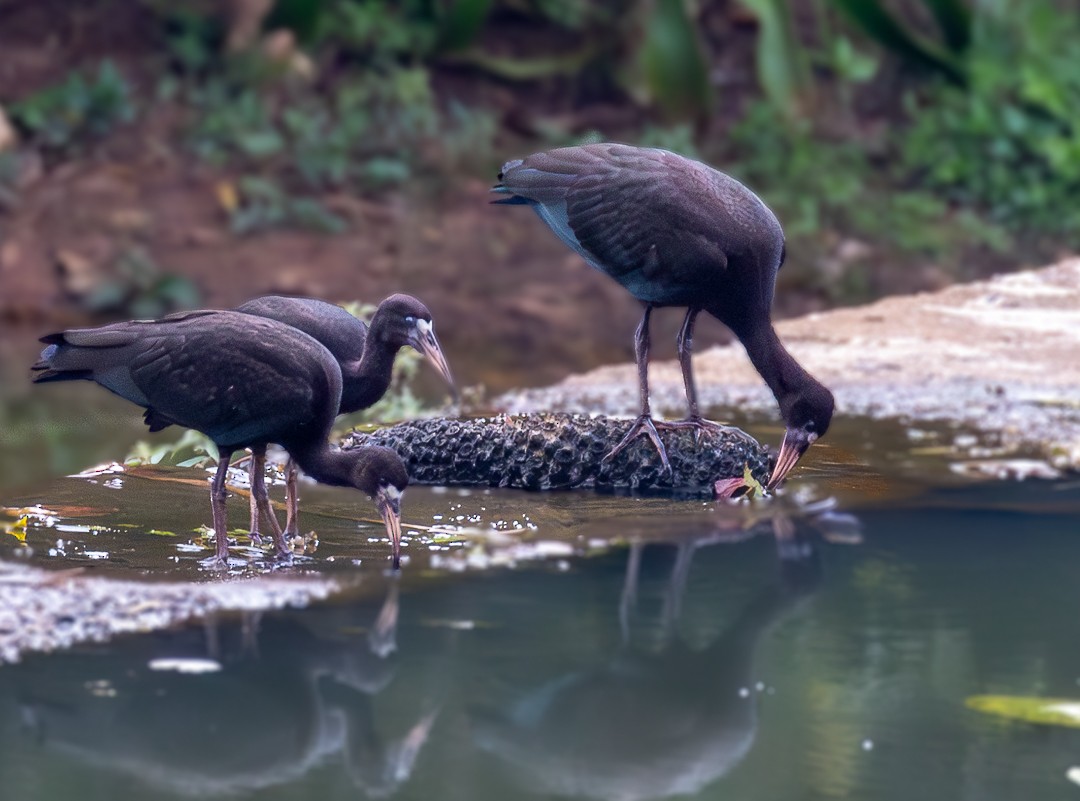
{"x": 754, "y": 488}
{"x": 227, "y": 196}
{"x": 18, "y": 529}
{"x": 1048, "y": 711}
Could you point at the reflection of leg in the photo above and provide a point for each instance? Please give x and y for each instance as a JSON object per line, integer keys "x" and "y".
{"x": 629, "y": 591}
{"x": 249, "y": 632}
{"x": 292, "y": 500}
{"x": 680, "y": 573}
{"x": 382, "y": 639}
{"x": 212, "y": 636}
{"x": 644, "y": 423}
{"x": 261, "y": 498}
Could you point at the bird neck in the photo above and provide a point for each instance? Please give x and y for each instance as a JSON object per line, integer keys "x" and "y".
{"x": 325, "y": 464}
{"x": 371, "y": 375}
{"x": 783, "y": 375}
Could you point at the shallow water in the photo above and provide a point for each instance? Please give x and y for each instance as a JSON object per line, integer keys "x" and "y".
{"x": 574, "y": 645}
{"x": 555, "y": 645}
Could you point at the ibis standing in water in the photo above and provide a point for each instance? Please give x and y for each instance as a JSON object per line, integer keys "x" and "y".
{"x": 676, "y": 232}
{"x": 365, "y": 355}
{"x": 242, "y": 380}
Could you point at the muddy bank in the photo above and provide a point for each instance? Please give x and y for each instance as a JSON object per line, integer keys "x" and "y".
{"x": 1001, "y": 357}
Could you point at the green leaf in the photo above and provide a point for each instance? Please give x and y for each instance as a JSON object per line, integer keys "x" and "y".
{"x": 675, "y": 69}
{"x": 1044, "y": 711}
{"x": 781, "y": 68}
{"x": 260, "y": 144}
{"x": 460, "y": 22}
{"x": 954, "y": 19}
{"x": 875, "y": 20}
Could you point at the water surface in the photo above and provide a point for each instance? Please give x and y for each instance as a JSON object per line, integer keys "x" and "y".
{"x": 586, "y": 647}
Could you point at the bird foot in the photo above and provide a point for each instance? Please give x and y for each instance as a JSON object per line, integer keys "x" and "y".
{"x": 644, "y": 425}
{"x": 283, "y": 546}
{"x": 214, "y": 562}
{"x": 698, "y": 424}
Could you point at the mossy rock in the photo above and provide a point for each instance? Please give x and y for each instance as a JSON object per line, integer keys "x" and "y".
{"x": 562, "y": 451}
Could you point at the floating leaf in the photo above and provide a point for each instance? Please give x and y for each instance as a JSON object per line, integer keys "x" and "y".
{"x": 1045, "y": 711}
{"x": 744, "y": 486}
{"x": 18, "y": 529}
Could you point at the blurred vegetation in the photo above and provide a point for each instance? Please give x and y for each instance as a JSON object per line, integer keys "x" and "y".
{"x": 137, "y": 287}
{"x": 76, "y": 110}
{"x": 930, "y": 131}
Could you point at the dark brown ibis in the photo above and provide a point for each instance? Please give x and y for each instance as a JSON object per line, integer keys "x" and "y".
{"x": 365, "y": 355}
{"x": 676, "y": 232}
{"x": 242, "y": 380}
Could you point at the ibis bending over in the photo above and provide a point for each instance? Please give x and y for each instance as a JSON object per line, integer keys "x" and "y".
{"x": 676, "y": 232}
{"x": 242, "y": 380}
{"x": 365, "y": 355}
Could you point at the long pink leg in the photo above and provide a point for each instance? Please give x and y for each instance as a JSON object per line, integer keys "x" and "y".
{"x": 643, "y": 425}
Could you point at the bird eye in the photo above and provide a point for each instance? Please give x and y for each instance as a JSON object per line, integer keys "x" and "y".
{"x": 810, "y": 427}
{"x": 410, "y": 320}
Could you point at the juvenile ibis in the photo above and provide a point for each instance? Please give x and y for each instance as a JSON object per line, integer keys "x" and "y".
{"x": 242, "y": 380}
{"x": 676, "y": 232}
{"x": 365, "y": 355}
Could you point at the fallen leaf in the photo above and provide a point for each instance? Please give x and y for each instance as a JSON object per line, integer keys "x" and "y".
{"x": 1045, "y": 711}
{"x": 227, "y": 196}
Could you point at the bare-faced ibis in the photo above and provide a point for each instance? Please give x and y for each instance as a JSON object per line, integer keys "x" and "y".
{"x": 242, "y": 380}
{"x": 676, "y": 232}
{"x": 365, "y": 355}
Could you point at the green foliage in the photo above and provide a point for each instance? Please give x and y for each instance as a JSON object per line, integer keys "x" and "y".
{"x": 1010, "y": 144}
{"x": 137, "y": 287}
{"x": 678, "y": 139}
{"x": 781, "y": 64}
{"x": 192, "y": 449}
{"x": 263, "y": 204}
{"x": 893, "y": 33}
{"x": 369, "y": 132}
{"x": 674, "y": 64}
{"x": 9, "y": 179}
{"x": 78, "y": 109}
{"x": 824, "y": 189}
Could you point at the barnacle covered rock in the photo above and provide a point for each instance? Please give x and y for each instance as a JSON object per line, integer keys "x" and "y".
{"x": 563, "y": 451}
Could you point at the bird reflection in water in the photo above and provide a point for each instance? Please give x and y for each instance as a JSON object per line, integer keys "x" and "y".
{"x": 653, "y": 722}
{"x": 284, "y": 702}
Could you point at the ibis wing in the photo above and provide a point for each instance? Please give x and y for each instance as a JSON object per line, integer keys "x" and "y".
{"x": 238, "y": 381}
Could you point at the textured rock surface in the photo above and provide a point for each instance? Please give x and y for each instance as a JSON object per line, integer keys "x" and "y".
{"x": 561, "y": 451}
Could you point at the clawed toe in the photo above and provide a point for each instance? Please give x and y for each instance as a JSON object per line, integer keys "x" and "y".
{"x": 698, "y": 424}
{"x": 644, "y": 425}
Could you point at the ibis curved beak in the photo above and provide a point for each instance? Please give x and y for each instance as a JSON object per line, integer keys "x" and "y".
{"x": 794, "y": 445}
{"x": 422, "y": 337}
{"x": 388, "y": 502}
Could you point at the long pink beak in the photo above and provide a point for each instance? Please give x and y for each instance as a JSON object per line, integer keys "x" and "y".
{"x": 796, "y": 441}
